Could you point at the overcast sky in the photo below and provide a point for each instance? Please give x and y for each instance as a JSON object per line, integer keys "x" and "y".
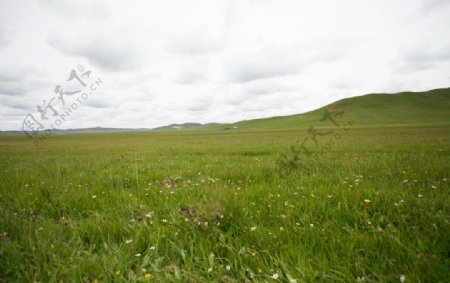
{"x": 164, "y": 62}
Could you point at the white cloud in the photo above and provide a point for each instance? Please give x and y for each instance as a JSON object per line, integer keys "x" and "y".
{"x": 204, "y": 61}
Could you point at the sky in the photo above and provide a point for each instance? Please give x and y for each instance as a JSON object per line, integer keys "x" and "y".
{"x": 164, "y": 62}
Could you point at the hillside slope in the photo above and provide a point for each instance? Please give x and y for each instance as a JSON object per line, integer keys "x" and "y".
{"x": 405, "y": 108}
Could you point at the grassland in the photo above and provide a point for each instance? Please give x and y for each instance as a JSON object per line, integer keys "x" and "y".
{"x": 214, "y": 206}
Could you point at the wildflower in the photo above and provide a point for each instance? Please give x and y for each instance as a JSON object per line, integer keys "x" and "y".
{"x": 117, "y": 273}
{"x": 128, "y": 242}
{"x": 94, "y": 196}
{"x": 402, "y": 278}
{"x": 253, "y": 228}
{"x": 367, "y": 201}
{"x": 260, "y": 270}
{"x": 210, "y": 269}
{"x": 419, "y": 195}
{"x": 137, "y": 255}
{"x": 275, "y": 276}
{"x": 293, "y": 281}
{"x": 228, "y": 267}
{"x": 147, "y": 276}
{"x": 311, "y": 225}
{"x": 152, "y": 248}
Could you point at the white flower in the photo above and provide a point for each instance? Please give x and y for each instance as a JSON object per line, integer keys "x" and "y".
{"x": 209, "y": 270}
{"x": 152, "y": 248}
{"x": 228, "y": 267}
{"x": 137, "y": 255}
{"x": 275, "y": 276}
{"x": 293, "y": 281}
{"x": 311, "y": 225}
{"x": 253, "y": 228}
{"x": 128, "y": 242}
{"x": 402, "y": 278}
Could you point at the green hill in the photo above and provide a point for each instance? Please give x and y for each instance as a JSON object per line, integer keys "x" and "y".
{"x": 405, "y": 108}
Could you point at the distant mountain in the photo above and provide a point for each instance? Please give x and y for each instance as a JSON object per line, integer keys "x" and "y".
{"x": 404, "y": 108}
{"x": 100, "y": 129}
{"x": 86, "y": 130}
{"x": 185, "y": 126}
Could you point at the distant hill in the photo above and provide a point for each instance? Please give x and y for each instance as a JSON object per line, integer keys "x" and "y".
{"x": 405, "y": 108}
{"x": 185, "y": 126}
{"x": 85, "y": 130}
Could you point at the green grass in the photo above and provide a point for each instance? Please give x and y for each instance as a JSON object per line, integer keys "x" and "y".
{"x": 188, "y": 202}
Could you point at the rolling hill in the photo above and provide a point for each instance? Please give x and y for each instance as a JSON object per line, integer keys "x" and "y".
{"x": 378, "y": 109}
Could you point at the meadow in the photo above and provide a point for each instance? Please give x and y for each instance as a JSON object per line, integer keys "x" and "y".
{"x": 216, "y": 206}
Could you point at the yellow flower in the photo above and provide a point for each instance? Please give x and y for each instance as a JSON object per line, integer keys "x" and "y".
{"x": 94, "y": 196}
{"x": 147, "y": 276}
{"x": 367, "y": 201}
{"x": 117, "y": 273}
{"x": 95, "y": 281}
{"x": 260, "y": 270}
